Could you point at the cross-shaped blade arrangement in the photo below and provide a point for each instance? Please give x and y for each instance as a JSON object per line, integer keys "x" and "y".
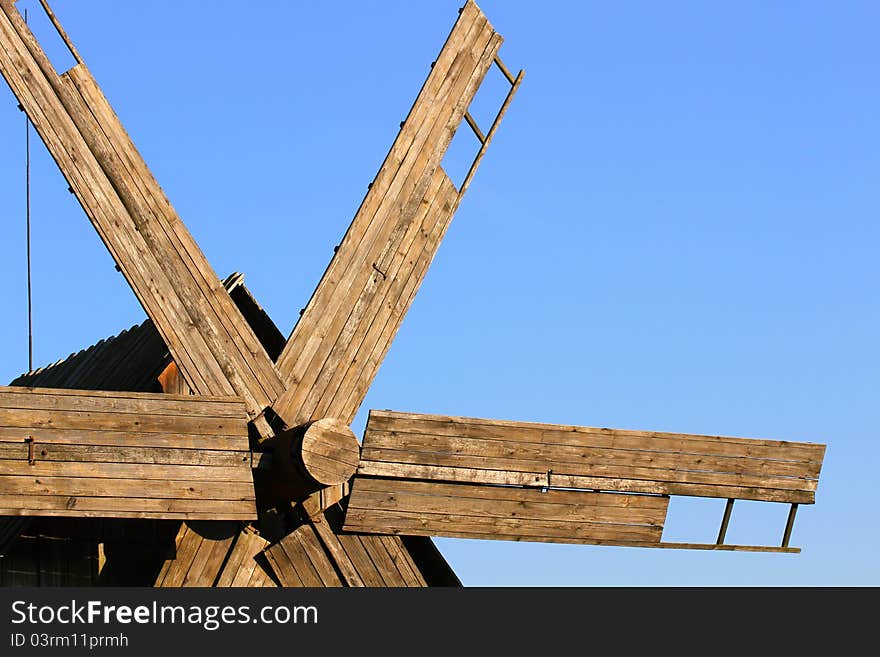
{"x": 244, "y": 436}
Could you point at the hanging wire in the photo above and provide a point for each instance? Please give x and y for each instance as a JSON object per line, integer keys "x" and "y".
{"x": 27, "y": 168}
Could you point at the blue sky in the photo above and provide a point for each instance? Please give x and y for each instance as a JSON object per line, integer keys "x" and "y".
{"x": 675, "y": 229}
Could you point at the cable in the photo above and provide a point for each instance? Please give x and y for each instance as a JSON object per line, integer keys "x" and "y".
{"x": 27, "y": 167}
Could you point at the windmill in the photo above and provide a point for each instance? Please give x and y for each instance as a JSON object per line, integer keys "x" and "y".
{"x": 203, "y": 448}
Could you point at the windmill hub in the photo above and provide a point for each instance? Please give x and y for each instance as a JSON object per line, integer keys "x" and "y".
{"x": 328, "y": 451}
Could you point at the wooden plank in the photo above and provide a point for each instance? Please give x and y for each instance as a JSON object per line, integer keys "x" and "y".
{"x": 112, "y": 454}
{"x": 112, "y": 438}
{"x": 509, "y": 529}
{"x": 564, "y": 434}
{"x": 201, "y": 550}
{"x": 338, "y": 554}
{"x": 42, "y": 486}
{"x": 121, "y": 471}
{"x": 408, "y": 276}
{"x": 506, "y": 478}
{"x": 502, "y": 502}
{"x": 430, "y": 508}
{"x": 377, "y": 548}
{"x": 318, "y": 557}
{"x": 299, "y": 559}
{"x": 209, "y": 339}
{"x": 174, "y": 569}
{"x": 55, "y": 399}
{"x": 468, "y": 450}
{"x": 577, "y": 455}
{"x": 241, "y": 564}
{"x": 354, "y": 547}
{"x": 283, "y": 567}
{"x": 718, "y": 479}
{"x": 404, "y": 562}
{"x": 111, "y": 473}
{"x": 382, "y": 249}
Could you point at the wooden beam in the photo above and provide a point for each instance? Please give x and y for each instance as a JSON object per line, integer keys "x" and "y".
{"x": 468, "y": 450}
{"x": 347, "y": 327}
{"x": 134, "y": 455}
{"x": 212, "y": 344}
{"x": 201, "y": 549}
{"x": 245, "y": 567}
{"x": 299, "y": 559}
{"x": 499, "y": 512}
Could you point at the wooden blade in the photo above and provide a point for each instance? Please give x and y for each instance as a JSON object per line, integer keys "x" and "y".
{"x": 347, "y": 327}
{"x": 212, "y": 344}
{"x": 317, "y": 553}
{"x": 464, "y": 477}
{"x": 123, "y": 455}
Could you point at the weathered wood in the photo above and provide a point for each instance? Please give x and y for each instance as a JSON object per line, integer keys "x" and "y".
{"x": 430, "y": 508}
{"x": 242, "y": 568}
{"x": 300, "y": 560}
{"x": 329, "y": 451}
{"x": 504, "y": 478}
{"x": 347, "y": 327}
{"x": 210, "y": 341}
{"x": 401, "y": 445}
{"x": 84, "y": 456}
{"x": 337, "y": 553}
{"x": 201, "y": 549}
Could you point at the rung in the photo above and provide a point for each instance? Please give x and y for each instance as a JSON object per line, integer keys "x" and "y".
{"x": 789, "y": 525}
{"x": 728, "y": 509}
{"x": 504, "y": 70}
{"x": 491, "y": 133}
{"x": 475, "y": 127}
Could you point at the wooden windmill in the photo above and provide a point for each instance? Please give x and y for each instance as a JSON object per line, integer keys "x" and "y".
{"x": 203, "y": 448}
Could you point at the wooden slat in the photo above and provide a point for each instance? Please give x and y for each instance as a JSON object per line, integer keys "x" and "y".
{"x": 112, "y": 454}
{"x": 299, "y": 559}
{"x": 242, "y": 568}
{"x": 348, "y": 325}
{"x": 429, "y": 508}
{"x": 564, "y": 434}
{"x": 64, "y": 399}
{"x": 404, "y": 561}
{"x": 467, "y": 450}
{"x": 207, "y": 336}
{"x": 201, "y": 551}
{"x": 111, "y": 473}
{"x": 337, "y": 553}
{"x": 506, "y": 478}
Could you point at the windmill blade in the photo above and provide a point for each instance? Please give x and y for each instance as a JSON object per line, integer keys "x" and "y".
{"x": 212, "y": 344}
{"x": 123, "y": 455}
{"x": 431, "y": 475}
{"x": 347, "y": 327}
{"x": 317, "y": 553}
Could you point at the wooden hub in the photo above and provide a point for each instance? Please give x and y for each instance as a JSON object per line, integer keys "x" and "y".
{"x": 329, "y": 451}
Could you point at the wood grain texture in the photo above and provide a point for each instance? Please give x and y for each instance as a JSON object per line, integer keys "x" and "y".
{"x": 243, "y": 568}
{"x": 476, "y": 451}
{"x": 201, "y": 549}
{"x": 88, "y": 458}
{"x": 437, "y": 509}
{"x": 299, "y": 559}
{"x": 330, "y": 451}
{"x": 347, "y": 327}
{"x": 212, "y": 344}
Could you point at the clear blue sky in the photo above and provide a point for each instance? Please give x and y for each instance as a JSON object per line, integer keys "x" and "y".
{"x": 675, "y": 229}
